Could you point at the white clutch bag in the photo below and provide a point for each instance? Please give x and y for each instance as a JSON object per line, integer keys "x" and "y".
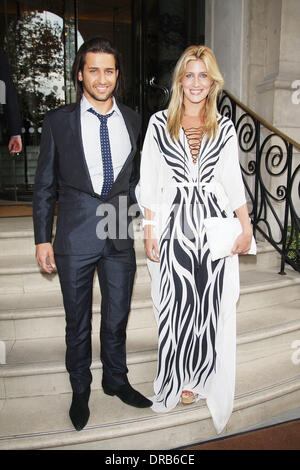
{"x": 221, "y": 234}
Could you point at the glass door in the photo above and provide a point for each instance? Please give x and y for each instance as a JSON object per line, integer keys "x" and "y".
{"x": 111, "y": 19}
{"x": 39, "y": 40}
{"x": 165, "y": 28}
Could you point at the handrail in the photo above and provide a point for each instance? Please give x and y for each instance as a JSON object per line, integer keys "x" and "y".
{"x": 263, "y": 121}
{"x": 271, "y": 177}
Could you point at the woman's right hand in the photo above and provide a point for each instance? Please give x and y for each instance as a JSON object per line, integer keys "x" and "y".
{"x": 151, "y": 244}
{"x": 151, "y": 248}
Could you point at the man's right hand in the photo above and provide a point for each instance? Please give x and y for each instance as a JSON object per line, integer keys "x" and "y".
{"x": 45, "y": 257}
{"x": 15, "y": 144}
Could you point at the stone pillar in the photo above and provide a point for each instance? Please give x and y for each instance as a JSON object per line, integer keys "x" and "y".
{"x": 277, "y": 100}
{"x": 256, "y": 51}
{"x": 278, "y": 97}
{"x": 225, "y": 34}
{"x": 257, "y": 45}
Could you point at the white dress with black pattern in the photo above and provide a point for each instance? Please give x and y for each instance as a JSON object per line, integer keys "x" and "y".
{"x": 194, "y": 298}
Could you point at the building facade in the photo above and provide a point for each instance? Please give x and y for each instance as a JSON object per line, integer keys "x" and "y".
{"x": 41, "y": 37}
{"x": 256, "y": 42}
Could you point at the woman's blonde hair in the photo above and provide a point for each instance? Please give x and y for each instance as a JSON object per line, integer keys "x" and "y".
{"x": 176, "y": 107}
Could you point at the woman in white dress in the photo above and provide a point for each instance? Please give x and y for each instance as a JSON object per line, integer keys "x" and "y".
{"x": 189, "y": 171}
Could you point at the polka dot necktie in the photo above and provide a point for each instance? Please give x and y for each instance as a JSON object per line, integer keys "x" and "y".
{"x": 108, "y": 171}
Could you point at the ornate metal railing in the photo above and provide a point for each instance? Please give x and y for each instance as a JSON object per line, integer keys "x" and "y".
{"x": 271, "y": 170}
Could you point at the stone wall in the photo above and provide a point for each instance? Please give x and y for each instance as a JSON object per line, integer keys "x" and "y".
{"x": 257, "y": 44}
{"x": 225, "y": 34}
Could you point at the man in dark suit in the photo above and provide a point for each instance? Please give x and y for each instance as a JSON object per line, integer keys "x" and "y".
{"x": 87, "y": 156}
{"x": 11, "y": 107}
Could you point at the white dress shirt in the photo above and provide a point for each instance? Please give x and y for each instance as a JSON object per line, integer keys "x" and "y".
{"x": 120, "y": 144}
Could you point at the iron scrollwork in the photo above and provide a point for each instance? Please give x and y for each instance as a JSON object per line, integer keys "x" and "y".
{"x": 272, "y": 185}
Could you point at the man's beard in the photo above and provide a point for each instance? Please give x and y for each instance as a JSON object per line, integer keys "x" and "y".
{"x": 96, "y": 97}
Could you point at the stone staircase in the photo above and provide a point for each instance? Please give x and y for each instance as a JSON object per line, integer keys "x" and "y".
{"x": 35, "y": 393}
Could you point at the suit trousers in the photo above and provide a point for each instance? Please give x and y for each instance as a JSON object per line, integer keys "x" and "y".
{"x": 116, "y": 271}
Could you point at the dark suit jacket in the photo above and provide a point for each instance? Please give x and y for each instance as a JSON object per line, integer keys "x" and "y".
{"x": 62, "y": 170}
{"x": 11, "y": 107}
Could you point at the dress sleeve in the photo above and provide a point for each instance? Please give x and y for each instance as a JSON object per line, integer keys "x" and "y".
{"x": 229, "y": 171}
{"x": 149, "y": 187}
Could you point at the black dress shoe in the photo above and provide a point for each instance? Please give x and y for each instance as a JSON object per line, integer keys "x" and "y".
{"x": 79, "y": 411}
{"x": 128, "y": 395}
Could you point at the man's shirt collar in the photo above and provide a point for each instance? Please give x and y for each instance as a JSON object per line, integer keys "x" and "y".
{"x": 86, "y": 104}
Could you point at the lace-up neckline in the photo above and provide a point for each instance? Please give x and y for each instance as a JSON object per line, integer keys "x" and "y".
{"x": 194, "y": 137}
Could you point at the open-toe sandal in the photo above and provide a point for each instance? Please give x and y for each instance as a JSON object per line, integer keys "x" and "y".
{"x": 187, "y": 397}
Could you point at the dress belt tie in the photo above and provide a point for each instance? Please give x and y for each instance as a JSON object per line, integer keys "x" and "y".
{"x": 214, "y": 187}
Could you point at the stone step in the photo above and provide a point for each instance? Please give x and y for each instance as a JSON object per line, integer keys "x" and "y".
{"x": 16, "y": 236}
{"x": 268, "y": 383}
{"x": 19, "y": 265}
{"x": 23, "y": 271}
{"x": 36, "y": 367}
{"x": 27, "y": 311}
{"x": 49, "y": 322}
{"x": 35, "y": 381}
{"x": 254, "y": 325}
{"x": 17, "y": 239}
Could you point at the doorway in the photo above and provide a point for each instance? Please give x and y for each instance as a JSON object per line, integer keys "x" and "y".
{"x": 166, "y": 28}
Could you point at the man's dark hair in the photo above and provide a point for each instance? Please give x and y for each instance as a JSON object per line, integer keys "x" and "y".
{"x": 97, "y": 44}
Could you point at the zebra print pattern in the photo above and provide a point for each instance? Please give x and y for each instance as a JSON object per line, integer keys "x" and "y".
{"x": 190, "y": 282}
